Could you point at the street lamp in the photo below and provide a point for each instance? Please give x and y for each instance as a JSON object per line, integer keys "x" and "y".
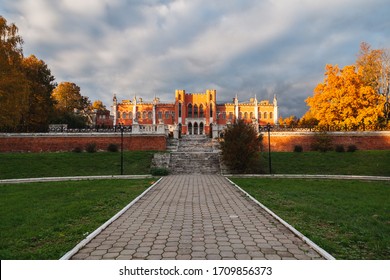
{"x": 122, "y": 129}
{"x": 268, "y": 127}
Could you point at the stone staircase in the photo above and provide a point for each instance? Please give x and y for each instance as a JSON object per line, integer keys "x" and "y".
{"x": 172, "y": 144}
{"x": 196, "y": 154}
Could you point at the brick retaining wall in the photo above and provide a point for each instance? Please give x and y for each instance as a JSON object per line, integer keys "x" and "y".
{"x": 68, "y": 142}
{"x": 285, "y": 141}
{"x": 280, "y": 141}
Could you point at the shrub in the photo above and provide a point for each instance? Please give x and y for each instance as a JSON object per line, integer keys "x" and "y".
{"x": 77, "y": 150}
{"x": 91, "y": 148}
{"x": 157, "y": 171}
{"x": 241, "y": 148}
{"x": 351, "y": 148}
{"x": 322, "y": 142}
{"x": 113, "y": 148}
{"x": 340, "y": 149}
{"x": 298, "y": 149}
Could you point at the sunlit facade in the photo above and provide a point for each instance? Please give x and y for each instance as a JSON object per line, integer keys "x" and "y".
{"x": 193, "y": 113}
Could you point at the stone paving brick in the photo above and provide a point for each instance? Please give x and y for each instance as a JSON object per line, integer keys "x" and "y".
{"x": 196, "y": 217}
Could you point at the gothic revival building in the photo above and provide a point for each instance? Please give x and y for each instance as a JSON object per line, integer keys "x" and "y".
{"x": 194, "y": 113}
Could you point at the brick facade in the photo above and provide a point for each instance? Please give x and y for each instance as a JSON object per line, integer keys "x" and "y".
{"x": 194, "y": 113}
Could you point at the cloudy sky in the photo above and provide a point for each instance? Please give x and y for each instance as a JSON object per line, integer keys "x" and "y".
{"x": 152, "y": 47}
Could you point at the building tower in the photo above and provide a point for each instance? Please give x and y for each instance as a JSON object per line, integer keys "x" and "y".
{"x": 114, "y": 109}
{"x": 256, "y": 108}
{"x": 236, "y": 113}
{"x": 276, "y": 113}
{"x": 135, "y": 119}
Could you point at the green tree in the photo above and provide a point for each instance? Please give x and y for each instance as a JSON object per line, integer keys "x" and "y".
{"x": 40, "y": 103}
{"x": 241, "y": 148}
{"x": 13, "y": 83}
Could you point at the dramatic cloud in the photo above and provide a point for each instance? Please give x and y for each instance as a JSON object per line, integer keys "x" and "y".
{"x": 242, "y": 47}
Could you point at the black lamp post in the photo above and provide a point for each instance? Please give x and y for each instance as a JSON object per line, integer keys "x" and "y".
{"x": 269, "y": 147}
{"x": 121, "y": 128}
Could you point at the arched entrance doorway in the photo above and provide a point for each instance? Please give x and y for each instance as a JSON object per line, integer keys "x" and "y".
{"x": 189, "y": 128}
{"x": 195, "y": 128}
{"x": 201, "y": 128}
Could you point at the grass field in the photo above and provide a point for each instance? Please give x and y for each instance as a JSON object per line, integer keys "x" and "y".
{"x": 30, "y": 165}
{"x": 374, "y": 163}
{"x": 33, "y": 165}
{"x": 46, "y": 220}
{"x": 349, "y": 219}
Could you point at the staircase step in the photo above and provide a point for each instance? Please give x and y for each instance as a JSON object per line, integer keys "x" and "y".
{"x": 194, "y": 154}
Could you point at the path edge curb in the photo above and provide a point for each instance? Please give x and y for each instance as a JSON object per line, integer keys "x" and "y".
{"x": 73, "y": 178}
{"x": 80, "y": 245}
{"x": 313, "y": 245}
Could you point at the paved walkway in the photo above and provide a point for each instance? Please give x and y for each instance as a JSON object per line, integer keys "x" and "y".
{"x": 196, "y": 217}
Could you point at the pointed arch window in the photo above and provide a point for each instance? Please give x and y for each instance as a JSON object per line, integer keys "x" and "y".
{"x": 201, "y": 111}
{"x": 196, "y": 111}
{"x": 189, "y": 111}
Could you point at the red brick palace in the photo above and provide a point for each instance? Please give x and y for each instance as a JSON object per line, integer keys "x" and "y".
{"x": 193, "y": 113}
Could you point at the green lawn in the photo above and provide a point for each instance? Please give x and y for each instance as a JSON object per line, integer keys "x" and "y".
{"x": 374, "y": 163}
{"x": 29, "y": 165}
{"x": 46, "y": 220}
{"x": 33, "y": 165}
{"x": 349, "y": 219}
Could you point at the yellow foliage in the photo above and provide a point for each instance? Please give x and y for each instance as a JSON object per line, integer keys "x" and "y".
{"x": 343, "y": 100}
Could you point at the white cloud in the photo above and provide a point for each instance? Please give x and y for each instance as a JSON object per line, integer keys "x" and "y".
{"x": 152, "y": 47}
{"x": 91, "y": 8}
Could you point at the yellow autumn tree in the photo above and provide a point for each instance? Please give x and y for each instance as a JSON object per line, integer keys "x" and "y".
{"x": 344, "y": 101}
{"x": 288, "y": 121}
{"x": 98, "y": 105}
{"x": 67, "y": 97}
{"x": 13, "y": 83}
